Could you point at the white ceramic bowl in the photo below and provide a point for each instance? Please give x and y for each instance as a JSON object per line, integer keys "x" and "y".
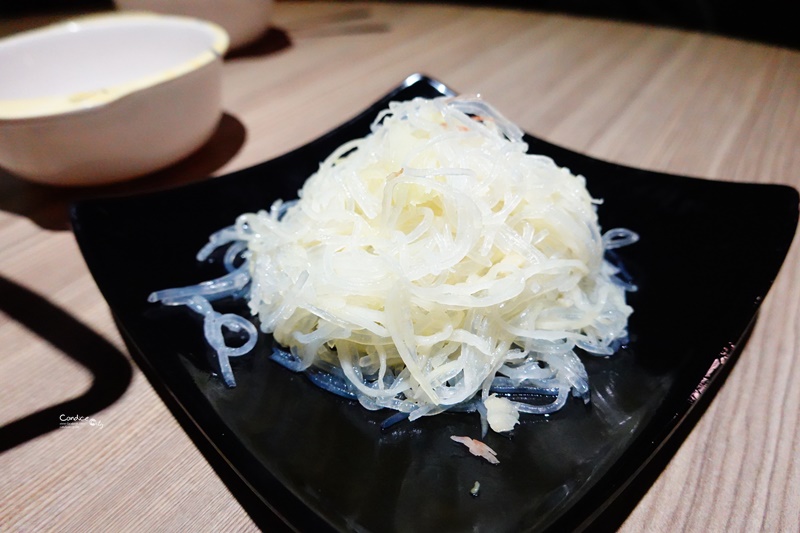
{"x": 105, "y": 98}
{"x": 244, "y": 20}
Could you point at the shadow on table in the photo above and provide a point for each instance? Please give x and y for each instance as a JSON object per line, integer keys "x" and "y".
{"x": 767, "y": 21}
{"x": 273, "y": 40}
{"x": 48, "y": 206}
{"x": 351, "y": 21}
{"x": 110, "y": 368}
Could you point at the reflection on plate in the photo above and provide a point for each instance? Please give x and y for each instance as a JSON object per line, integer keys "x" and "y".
{"x": 708, "y": 255}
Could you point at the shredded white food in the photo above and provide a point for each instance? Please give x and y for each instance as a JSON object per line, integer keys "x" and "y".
{"x": 432, "y": 263}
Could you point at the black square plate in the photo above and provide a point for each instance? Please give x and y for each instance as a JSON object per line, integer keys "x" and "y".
{"x": 709, "y": 252}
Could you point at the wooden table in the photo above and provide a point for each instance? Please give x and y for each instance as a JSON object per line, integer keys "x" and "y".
{"x": 655, "y": 98}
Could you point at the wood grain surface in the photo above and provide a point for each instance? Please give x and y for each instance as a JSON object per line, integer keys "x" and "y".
{"x": 649, "y": 97}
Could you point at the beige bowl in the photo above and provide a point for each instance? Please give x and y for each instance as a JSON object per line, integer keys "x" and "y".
{"x": 106, "y": 98}
{"x": 244, "y": 20}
